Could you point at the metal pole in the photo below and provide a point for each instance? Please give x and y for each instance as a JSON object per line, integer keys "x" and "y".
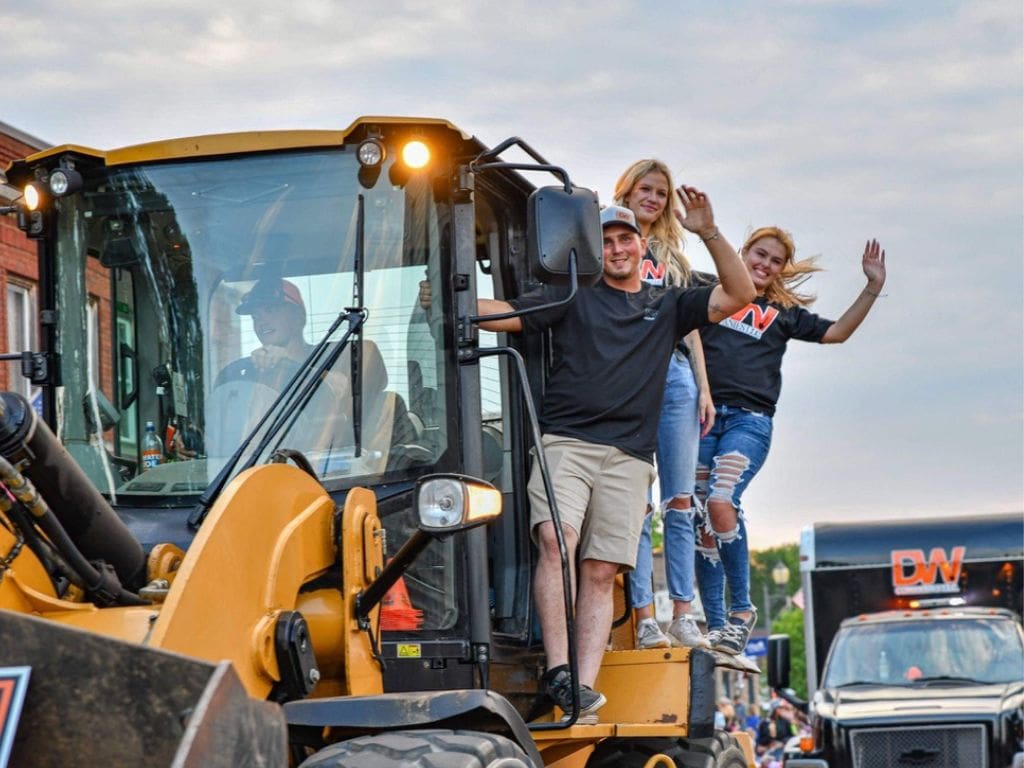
{"x": 767, "y": 609}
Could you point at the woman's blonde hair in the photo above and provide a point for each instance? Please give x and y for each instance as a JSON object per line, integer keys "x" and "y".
{"x": 665, "y": 239}
{"x": 782, "y": 290}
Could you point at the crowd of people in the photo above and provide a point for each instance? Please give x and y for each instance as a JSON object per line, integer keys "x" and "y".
{"x": 690, "y": 366}
{"x": 768, "y": 731}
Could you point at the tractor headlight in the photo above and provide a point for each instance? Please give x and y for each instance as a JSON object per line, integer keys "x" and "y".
{"x": 64, "y": 181}
{"x": 415, "y": 154}
{"x": 32, "y": 196}
{"x": 370, "y": 153}
{"x": 454, "y": 503}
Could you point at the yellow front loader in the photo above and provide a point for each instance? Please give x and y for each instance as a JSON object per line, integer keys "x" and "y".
{"x": 222, "y": 547}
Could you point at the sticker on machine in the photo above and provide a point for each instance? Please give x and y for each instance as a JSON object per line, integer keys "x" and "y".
{"x": 13, "y": 684}
{"x": 409, "y": 651}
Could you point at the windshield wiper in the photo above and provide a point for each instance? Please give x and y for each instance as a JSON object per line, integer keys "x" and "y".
{"x": 858, "y": 682}
{"x": 949, "y": 679}
{"x": 292, "y": 400}
{"x": 287, "y": 406}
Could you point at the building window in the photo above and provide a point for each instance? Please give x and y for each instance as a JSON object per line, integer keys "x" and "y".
{"x": 92, "y": 320}
{"x": 21, "y": 333}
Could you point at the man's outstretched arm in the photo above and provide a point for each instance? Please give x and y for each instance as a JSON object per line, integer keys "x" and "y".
{"x": 498, "y": 307}
{"x": 483, "y": 307}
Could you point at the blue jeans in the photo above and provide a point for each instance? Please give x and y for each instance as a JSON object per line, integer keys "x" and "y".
{"x": 678, "y": 436}
{"x": 729, "y": 458}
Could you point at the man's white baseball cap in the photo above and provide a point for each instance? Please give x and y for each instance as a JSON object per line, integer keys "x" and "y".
{"x": 616, "y": 214}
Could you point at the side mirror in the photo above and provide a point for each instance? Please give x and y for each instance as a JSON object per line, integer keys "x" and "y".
{"x": 558, "y": 224}
{"x": 778, "y": 661}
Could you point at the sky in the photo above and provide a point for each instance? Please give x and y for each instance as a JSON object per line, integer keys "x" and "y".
{"x": 836, "y": 120}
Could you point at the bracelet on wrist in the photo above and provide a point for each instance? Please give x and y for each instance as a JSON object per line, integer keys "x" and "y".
{"x": 713, "y": 236}
{"x": 876, "y": 295}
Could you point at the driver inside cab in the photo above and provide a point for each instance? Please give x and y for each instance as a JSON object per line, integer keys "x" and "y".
{"x": 278, "y": 318}
{"x": 246, "y": 388}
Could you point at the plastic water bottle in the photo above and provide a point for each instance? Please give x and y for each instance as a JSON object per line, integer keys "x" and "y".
{"x": 152, "y": 448}
{"x": 883, "y": 667}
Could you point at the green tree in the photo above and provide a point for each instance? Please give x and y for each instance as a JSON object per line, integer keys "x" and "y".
{"x": 761, "y": 584}
{"x": 791, "y": 622}
{"x": 784, "y": 618}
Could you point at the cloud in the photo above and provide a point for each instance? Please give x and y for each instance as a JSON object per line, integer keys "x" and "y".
{"x": 840, "y": 120}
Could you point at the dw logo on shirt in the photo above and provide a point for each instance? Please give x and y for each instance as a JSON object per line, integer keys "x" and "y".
{"x": 752, "y": 320}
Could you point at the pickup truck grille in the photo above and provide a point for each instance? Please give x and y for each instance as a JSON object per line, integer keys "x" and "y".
{"x": 934, "y": 746}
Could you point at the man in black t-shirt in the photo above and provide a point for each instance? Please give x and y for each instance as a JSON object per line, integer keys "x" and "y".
{"x": 599, "y": 417}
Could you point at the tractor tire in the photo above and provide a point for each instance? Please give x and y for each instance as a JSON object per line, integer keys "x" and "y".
{"x": 721, "y": 751}
{"x": 423, "y": 749}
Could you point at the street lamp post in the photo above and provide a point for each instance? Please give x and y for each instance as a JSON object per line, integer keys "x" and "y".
{"x": 780, "y": 577}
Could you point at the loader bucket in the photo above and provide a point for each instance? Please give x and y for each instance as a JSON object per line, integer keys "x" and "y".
{"x": 93, "y": 700}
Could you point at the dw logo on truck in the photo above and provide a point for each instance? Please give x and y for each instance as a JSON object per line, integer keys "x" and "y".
{"x": 912, "y": 574}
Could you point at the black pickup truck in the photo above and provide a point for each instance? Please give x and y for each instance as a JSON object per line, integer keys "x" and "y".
{"x": 915, "y": 650}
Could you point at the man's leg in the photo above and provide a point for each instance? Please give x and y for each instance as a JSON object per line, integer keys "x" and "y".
{"x": 548, "y": 592}
{"x": 594, "y": 607}
{"x": 608, "y": 545}
{"x": 568, "y": 463}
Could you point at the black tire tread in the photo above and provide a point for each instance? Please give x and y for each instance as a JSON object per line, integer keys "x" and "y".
{"x": 433, "y": 748}
{"x": 721, "y": 751}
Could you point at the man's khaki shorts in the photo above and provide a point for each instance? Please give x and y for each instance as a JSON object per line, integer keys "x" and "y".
{"x": 600, "y": 492}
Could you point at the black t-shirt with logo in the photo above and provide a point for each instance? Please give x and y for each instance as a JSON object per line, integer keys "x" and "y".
{"x": 743, "y": 353}
{"x": 654, "y": 272}
{"x": 611, "y": 351}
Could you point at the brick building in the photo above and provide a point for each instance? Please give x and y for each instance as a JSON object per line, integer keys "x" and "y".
{"x": 19, "y": 272}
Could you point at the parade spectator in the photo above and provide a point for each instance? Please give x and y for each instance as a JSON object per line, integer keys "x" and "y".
{"x": 774, "y": 730}
{"x": 725, "y": 714}
{"x": 740, "y": 708}
{"x": 744, "y": 360}
{"x": 646, "y": 188}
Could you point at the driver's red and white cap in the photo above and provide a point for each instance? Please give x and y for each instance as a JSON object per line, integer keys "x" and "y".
{"x": 270, "y": 291}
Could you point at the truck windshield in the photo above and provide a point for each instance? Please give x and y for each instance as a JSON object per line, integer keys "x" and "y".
{"x": 190, "y": 293}
{"x": 916, "y": 652}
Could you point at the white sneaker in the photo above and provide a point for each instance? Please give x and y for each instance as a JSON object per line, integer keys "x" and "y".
{"x": 649, "y": 635}
{"x": 683, "y": 632}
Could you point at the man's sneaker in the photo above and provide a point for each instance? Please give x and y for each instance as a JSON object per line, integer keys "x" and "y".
{"x": 683, "y": 632}
{"x": 733, "y": 637}
{"x": 649, "y": 635}
{"x": 557, "y": 684}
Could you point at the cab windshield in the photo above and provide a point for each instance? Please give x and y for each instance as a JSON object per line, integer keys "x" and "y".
{"x": 191, "y": 294}
{"x": 919, "y": 652}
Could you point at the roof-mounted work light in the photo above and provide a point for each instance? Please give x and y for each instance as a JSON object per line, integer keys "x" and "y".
{"x": 64, "y": 181}
{"x": 32, "y": 196}
{"x": 371, "y": 153}
{"x": 415, "y": 154}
